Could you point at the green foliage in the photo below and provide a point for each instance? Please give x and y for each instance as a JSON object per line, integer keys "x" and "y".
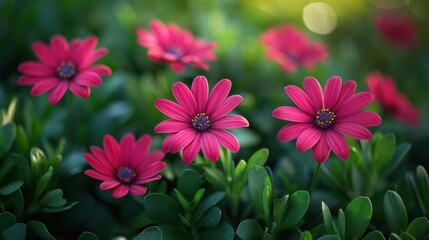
{"x": 419, "y": 184}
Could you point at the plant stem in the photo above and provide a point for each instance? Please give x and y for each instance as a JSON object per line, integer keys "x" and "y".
{"x": 314, "y": 179}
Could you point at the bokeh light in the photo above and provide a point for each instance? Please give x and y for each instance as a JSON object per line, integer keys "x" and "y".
{"x": 319, "y": 17}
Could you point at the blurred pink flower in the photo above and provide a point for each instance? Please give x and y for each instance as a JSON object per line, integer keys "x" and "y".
{"x": 322, "y": 118}
{"x": 391, "y": 100}
{"x": 397, "y": 29}
{"x": 199, "y": 119}
{"x": 124, "y": 167}
{"x": 63, "y": 66}
{"x": 169, "y": 43}
{"x": 291, "y": 48}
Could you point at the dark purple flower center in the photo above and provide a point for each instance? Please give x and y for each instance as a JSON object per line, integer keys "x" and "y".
{"x": 66, "y": 70}
{"x": 126, "y": 175}
{"x": 201, "y": 122}
{"x": 324, "y": 118}
{"x": 175, "y": 51}
{"x": 293, "y": 57}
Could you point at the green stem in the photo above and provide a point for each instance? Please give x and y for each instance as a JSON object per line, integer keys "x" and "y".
{"x": 69, "y": 116}
{"x": 314, "y": 179}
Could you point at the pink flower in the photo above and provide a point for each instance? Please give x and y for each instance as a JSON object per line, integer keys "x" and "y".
{"x": 124, "y": 167}
{"x": 199, "y": 119}
{"x": 291, "y": 48}
{"x": 63, "y": 66}
{"x": 397, "y": 29}
{"x": 391, "y": 100}
{"x": 169, "y": 43}
{"x": 322, "y": 118}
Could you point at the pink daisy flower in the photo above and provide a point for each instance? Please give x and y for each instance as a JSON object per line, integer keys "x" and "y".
{"x": 63, "y": 66}
{"x": 391, "y": 100}
{"x": 322, "y": 118}
{"x": 291, "y": 49}
{"x": 170, "y": 44}
{"x": 397, "y": 29}
{"x": 199, "y": 119}
{"x": 124, "y": 167}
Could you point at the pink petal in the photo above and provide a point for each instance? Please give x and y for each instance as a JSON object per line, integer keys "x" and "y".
{"x": 142, "y": 145}
{"x": 85, "y": 52}
{"x": 338, "y": 144}
{"x": 112, "y": 150}
{"x": 210, "y": 146}
{"x": 347, "y": 90}
{"x": 200, "y": 90}
{"x": 144, "y": 179}
{"x": 44, "y": 85}
{"x": 120, "y": 191}
{"x": 362, "y": 118}
{"x": 321, "y": 150}
{"x": 300, "y": 98}
{"x": 97, "y": 164}
{"x": 36, "y": 69}
{"x": 353, "y": 130}
{"x": 231, "y": 121}
{"x": 167, "y": 142}
{"x": 59, "y": 47}
{"x": 218, "y": 94}
{"x": 109, "y": 184}
{"x": 291, "y": 114}
{"x": 96, "y": 175}
{"x": 29, "y": 80}
{"x": 177, "y": 67}
{"x": 151, "y": 170}
{"x": 127, "y": 148}
{"x": 43, "y": 53}
{"x": 101, "y": 70}
{"x": 292, "y": 131}
{"x": 190, "y": 152}
{"x": 152, "y": 157}
{"x": 137, "y": 190}
{"x": 99, "y": 154}
{"x": 58, "y": 92}
{"x": 314, "y": 91}
{"x": 332, "y": 91}
{"x": 226, "y": 139}
{"x": 173, "y": 110}
{"x": 171, "y": 126}
{"x": 308, "y": 138}
{"x": 185, "y": 98}
{"x": 95, "y": 56}
{"x": 182, "y": 139}
{"x": 226, "y": 107}
{"x": 354, "y": 104}
{"x": 79, "y": 90}
{"x": 88, "y": 78}
{"x": 160, "y": 31}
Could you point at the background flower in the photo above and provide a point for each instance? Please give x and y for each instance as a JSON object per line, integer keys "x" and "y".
{"x": 63, "y": 66}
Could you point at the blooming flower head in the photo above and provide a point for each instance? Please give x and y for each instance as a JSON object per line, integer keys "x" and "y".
{"x": 170, "y": 44}
{"x": 291, "y": 49}
{"x": 391, "y": 100}
{"x": 323, "y": 117}
{"x": 125, "y": 166}
{"x": 397, "y": 29}
{"x": 64, "y": 66}
{"x": 198, "y": 120}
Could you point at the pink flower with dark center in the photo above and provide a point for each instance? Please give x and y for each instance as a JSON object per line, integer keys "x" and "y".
{"x": 199, "y": 119}
{"x": 323, "y": 117}
{"x": 126, "y": 166}
{"x": 63, "y": 66}
{"x": 391, "y": 100}
{"x": 397, "y": 29}
{"x": 170, "y": 44}
{"x": 291, "y": 49}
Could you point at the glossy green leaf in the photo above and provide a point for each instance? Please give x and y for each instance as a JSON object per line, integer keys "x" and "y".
{"x": 259, "y": 158}
{"x": 258, "y": 180}
{"x": 422, "y": 187}
{"x": 228, "y": 165}
{"x": 7, "y": 136}
{"x": 39, "y": 229}
{"x": 399, "y": 156}
{"x": 395, "y": 212}
{"x": 418, "y": 228}
{"x": 223, "y": 231}
{"x": 210, "y": 219}
{"x": 198, "y": 196}
{"x": 249, "y": 229}
{"x": 15, "y": 232}
{"x": 215, "y": 177}
{"x": 374, "y": 235}
{"x": 17, "y": 203}
{"x": 88, "y": 236}
{"x": 53, "y": 199}
{"x": 329, "y": 237}
{"x": 266, "y": 201}
{"x": 172, "y": 232}
{"x": 7, "y": 116}
{"x": 306, "y": 236}
{"x": 150, "y": 233}
{"x": 185, "y": 221}
{"x": 406, "y": 236}
{"x": 10, "y": 188}
{"x": 162, "y": 208}
{"x": 21, "y": 141}
{"x": 327, "y": 219}
{"x": 7, "y": 220}
{"x": 59, "y": 209}
{"x": 383, "y": 150}
{"x": 342, "y": 224}
{"x": 43, "y": 182}
{"x": 182, "y": 200}
{"x": 207, "y": 203}
{"x": 295, "y": 210}
{"x": 239, "y": 170}
{"x": 358, "y": 215}
{"x": 279, "y": 207}
{"x": 394, "y": 236}
{"x": 39, "y": 162}
{"x": 188, "y": 183}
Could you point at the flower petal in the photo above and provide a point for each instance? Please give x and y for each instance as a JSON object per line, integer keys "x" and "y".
{"x": 314, "y": 91}
{"x": 58, "y": 92}
{"x": 167, "y": 142}
{"x": 185, "y": 98}
{"x": 112, "y": 150}
{"x": 36, "y": 69}
{"x": 308, "y": 138}
{"x": 95, "y": 56}
{"x": 120, "y": 191}
{"x": 171, "y": 126}
{"x": 292, "y": 114}
{"x": 86, "y": 51}
{"x": 218, "y": 94}
{"x": 173, "y": 110}
{"x": 354, "y": 104}
{"x": 29, "y": 80}
{"x": 95, "y": 163}
{"x": 43, "y": 53}
{"x": 79, "y": 90}
{"x": 190, "y": 152}
{"x": 300, "y": 98}
{"x": 230, "y": 121}
{"x": 226, "y": 139}
{"x": 143, "y": 179}
{"x": 109, "y": 184}
{"x": 200, "y": 90}
{"x": 226, "y": 107}
{"x": 362, "y": 118}
{"x": 321, "y": 150}
{"x": 142, "y": 146}
{"x": 100, "y": 69}
{"x": 182, "y": 139}
{"x": 210, "y": 146}
{"x": 353, "y": 130}
{"x": 347, "y": 90}
{"x": 44, "y": 85}
{"x": 332, "y": 91}
{"x": 338, "y": 144}
{"x": 99, "y": 154}
{"x": 137, "y": 190}
{"x": 97, "y": 175}
{"x": 292, "y": 131}
{"x": 88, "y": 78}
{"x": 59, "y": 47}
{"x": 127, "y": 148}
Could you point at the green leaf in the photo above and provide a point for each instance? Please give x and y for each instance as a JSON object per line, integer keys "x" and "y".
{"x": 38, "y": 161}
{"x": 418, "y": 228}
{"x": 53, "y": 199}
{"x": 422, "y": 185}
{"x": 406, "y": 236}
{"x": 215, "y": 177}
{"x": 210, "y": 219}
{"x": 266, "y": 201}
{"x": 396, "y": 214}
{"x": 21, "y": 141}
{"x": 59, "y": 209}
{"x": 279, "y": 207}
{"x": 7, "y": 220}
{"x": 7, "y": 116}
{"x": 358, "y": 215}
{"x": 374, "y": 235}
{"x": 239, "y": 171}
{"x": 15, "y": 232}
{"x": 18, "y": 203}
{"x": 342, "y": 224}
{"x": 259, "y": 158}
{"x": 162, "y": 208}
{"x": 7, "y": 136}
{"x": 295, "y": 210}
{"x": 197, "y": 197}
{"x": 327, "y": 219}
{"x": 43, "y": 182}
{"x": 394, "y": 236}
{"x": 383, "y": 150}
{"x": 399, "y": 156}
{"x": 258, "y": 180}
{"x": 150, "y": 233}
{"x": 223, "y": 231}
{"x": 39, "y": 229}
{"x": 329, "y": 237}
{"x": 306, "y": 236}
{"x": 88, "y": 236}
{"x": 188, "y": 183}
{"x": 207, "y": 203}
{"x": 182, "y": 200}
{"x": 10, "y": 188}
{"x": 172, "y": 232}
{"x": 249, "y": 229}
